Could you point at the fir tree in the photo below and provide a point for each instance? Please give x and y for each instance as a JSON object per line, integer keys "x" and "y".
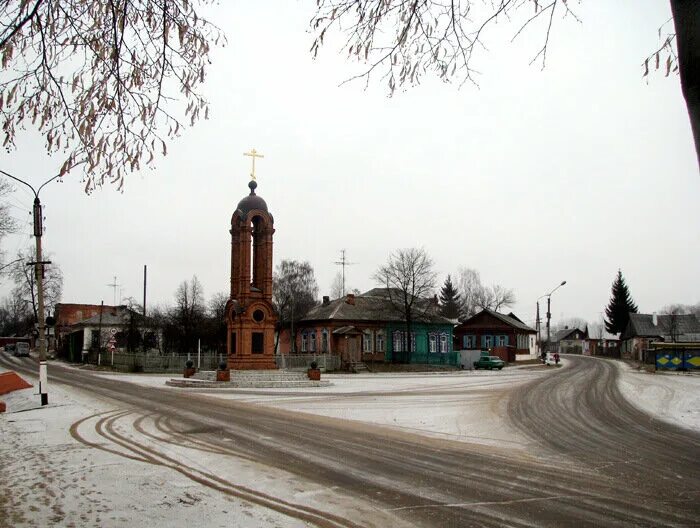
{"x": 450, "y": 303}
{"x": 619, "y": 307}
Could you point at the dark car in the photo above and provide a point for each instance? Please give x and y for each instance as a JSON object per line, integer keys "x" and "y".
{"x": 489, "y": 362}
{"x": 22, "y": 349}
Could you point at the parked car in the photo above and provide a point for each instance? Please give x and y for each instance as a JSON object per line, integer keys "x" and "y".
{"x": 10, "y": 348}
{"x": 22, "y": 349}
{"x": 489, "y": 362}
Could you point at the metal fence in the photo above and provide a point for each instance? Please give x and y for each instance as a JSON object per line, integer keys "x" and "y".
{"x": 154, "y": 362}
{"x": 326, "y": 362}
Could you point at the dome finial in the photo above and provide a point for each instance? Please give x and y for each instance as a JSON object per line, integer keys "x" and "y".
{"x": 252, "y": 184}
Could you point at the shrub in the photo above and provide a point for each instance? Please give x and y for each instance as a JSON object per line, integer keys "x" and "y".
{"x": 189, "y": 363}
{"x": 313, "y": 365}
{"x": 223, "y": 365}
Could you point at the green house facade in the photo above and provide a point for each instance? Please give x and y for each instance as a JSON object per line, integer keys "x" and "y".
{"x": 369, "y": 328}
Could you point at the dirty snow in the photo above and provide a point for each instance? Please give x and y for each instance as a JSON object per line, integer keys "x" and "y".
{"x": 47, "y": 477}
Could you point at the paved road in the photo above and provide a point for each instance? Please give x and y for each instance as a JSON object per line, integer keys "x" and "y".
{"x": 600, "y": 462}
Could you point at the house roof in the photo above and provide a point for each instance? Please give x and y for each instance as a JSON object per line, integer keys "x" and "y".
{"x": 374, "y": 305}
{"x": 642, "y": 325}
{"x": 120, "y": 318}
{"x": 564, "y": 333}
{"x": 509, "y": 319}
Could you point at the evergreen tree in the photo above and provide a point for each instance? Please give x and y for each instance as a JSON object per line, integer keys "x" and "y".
{"x": 450, "y": 302}
{"x": 619, "y": 307}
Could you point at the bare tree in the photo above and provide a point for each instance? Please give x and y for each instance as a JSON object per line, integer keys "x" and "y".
{"x": 401, "y": 41}
{"x": 7, "y": 223}
{"x": 294, "y": 293}
{"x": 106, "y": 82}
{"x": 681, "y": 309}
{"x": 24, "y": 277}
{"x": 189, "y": 310}
{"x": 409, "y": 279}
{"x": 497, "y": 297}
{"x": 469, "y": 284}
{"x": 476, "y": 296}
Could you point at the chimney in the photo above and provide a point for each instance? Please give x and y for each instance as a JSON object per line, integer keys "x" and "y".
{"x": 350, "y": 299}
{"x": 654, "y": 319}
{"x": 326, "y": 300}
{"x": 566, "y": 327}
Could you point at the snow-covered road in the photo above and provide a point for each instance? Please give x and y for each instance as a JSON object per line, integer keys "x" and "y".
{"x": 54, "y": 479}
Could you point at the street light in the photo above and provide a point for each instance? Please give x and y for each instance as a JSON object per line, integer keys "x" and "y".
{"x": 39, "y": 272}
{"x": 549, "y": 315}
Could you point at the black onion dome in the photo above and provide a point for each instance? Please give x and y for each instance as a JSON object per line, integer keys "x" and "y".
{"x": 250, "y": 202}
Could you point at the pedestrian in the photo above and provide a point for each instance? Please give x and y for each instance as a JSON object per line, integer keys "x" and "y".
{"x": 556, "y": 358}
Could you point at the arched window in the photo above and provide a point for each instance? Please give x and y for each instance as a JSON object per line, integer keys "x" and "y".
{"x": 397, "y": 341}
{"x": 304, "y": 341}
{"x": 443, "y": 343}
{"x": 324, "y": 341}
{"x": 432, "y": 343}
{"x": 312, "y": 342}
{"x": 367, "y": 341}
{"x": 379, "y": 343}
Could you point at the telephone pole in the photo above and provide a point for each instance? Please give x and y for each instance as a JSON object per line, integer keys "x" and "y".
{"x": 343, "y": 262}
{"x": 39, "y": 271}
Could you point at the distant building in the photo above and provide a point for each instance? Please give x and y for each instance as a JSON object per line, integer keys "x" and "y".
{"x": 368, "y": 327}
{"x": 83, "y": 328}
{"x": 569, "y": 341}
{"x": 505, "y": 336}
{"x": 643, "y": 329}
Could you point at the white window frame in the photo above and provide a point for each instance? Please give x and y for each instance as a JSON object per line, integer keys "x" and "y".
{"x": 379, "y": 341}
{"x": 312, "y": 342}
{"x": 324, "y": 341}
{"x": 303, "y": 342}
{"x": 432, "y": 343}
{"x": 367, "y": 341}
{"x": 443, "y": 343}
{"x": 501, "y": 341}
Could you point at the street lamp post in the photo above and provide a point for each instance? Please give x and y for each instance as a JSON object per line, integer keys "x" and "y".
{"x": 549, "y": 313}
{"x": 39, "y": 273}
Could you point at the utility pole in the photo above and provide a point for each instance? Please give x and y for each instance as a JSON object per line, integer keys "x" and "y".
{"x": 144, "y": 290}
{"x": 343, "y": 262}
{"x": 537, "y": 327}
{"x": 39, "y": 271}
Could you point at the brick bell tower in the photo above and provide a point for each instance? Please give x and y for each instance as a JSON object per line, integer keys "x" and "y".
{"x": 250, "y": 318}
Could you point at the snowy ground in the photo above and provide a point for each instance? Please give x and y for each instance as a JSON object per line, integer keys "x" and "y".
{"x": 53, "y": 479}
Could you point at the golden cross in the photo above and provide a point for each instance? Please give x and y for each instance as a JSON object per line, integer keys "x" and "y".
{"x": 253, "y": 154}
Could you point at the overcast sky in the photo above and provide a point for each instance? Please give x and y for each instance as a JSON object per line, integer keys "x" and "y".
{"x": 532, "y": 178}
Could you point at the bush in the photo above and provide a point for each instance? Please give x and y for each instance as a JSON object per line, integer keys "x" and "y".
{"x": 313, "y": 365}
{"x": 223, "y": 365}
{"x": 189, "y": 363}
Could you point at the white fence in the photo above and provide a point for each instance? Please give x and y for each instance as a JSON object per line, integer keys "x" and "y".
{"x": 326, "y": 362}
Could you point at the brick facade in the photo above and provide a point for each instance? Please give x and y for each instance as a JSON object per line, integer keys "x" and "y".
{"x": 250, "y": 317}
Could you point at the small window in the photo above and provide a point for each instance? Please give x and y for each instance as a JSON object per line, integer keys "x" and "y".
{"x": 258, "y": 343}
{"x": 95, "y": 337}
{"x": 398, "y": 341}
{"x": 304, "y": 342}
{"x": 432, "y": 343}
{"x": 443, "y": 343}
{"x": 488, "y": 341}
{"x": 367, "y": 342}
{"x": 312, "y": 342}
{"x": 324, "y": 341}
{"x": 501, "y": 341}
{"x": 258, "y": 316}
{"x": 380, "y": 342}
